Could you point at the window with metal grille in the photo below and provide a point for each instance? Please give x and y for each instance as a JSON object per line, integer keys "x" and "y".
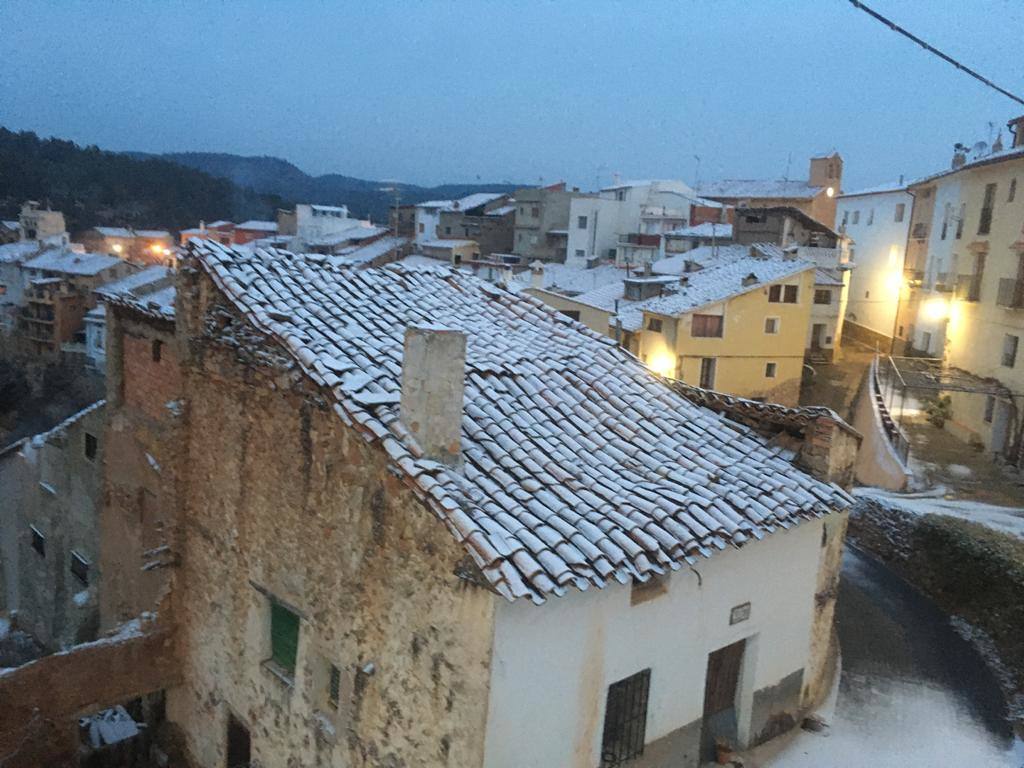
{"x": 789, "y": 294}
{"x": 771, "y": 325}
{"x": 334, "y": 687}
{"x": 822, "y": 296}
{"x": 38, "y": 540}
{"x": 774, "y": 294}
{"x": 80, "y": 567}
{"x": 284, "y": 637}
{"x": 707, "y": 373}
{"x": 625, "y": 719}
{"x": 91, "y": 445}
{"x": 707, "y": 326}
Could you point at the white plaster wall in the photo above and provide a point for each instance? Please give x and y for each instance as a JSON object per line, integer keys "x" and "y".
{"x": 552, "y": 664}
{"x": 878, "y": 257}
{"x": 430, "y": 218}
{"x": 310, "y": 227}
{"x": 603, "y": 222}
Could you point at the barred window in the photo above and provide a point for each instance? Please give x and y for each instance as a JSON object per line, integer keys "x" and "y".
{"x": 625, "y": 719}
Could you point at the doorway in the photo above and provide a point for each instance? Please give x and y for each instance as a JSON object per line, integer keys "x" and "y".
{"x": 239, "y": 744}
{"x": 721, "y": 686}
{"x": 817, "y": 334}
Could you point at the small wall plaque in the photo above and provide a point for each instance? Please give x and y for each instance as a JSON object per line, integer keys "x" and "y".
{"x": 739, "y": 613}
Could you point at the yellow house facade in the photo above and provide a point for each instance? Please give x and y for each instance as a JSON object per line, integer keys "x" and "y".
{"x": 760, "y": 352}
{"x": 739, "y": 327}
{"x": 970, "y": 306}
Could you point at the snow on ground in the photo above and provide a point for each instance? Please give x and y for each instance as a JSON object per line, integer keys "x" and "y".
{"x": 1003, "y": 519}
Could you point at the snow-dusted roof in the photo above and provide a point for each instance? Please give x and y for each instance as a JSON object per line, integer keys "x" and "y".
{"x": 69, "y": 263}
{"x": 446, "y": 243}
{"x": 158, "y": 304}
{"x": 256, "y": 225}
{"x": 881, "y": 189}
{"x": 759, "y": 189}
{"x": 11, "y": 225}
{"x": 354, "y": 233}
{"x": 503, "y": 211}
{"x": 17, "y": 252}
{"x": 823, "y": 276}
{"x": 193, "y": 231}
{"x": 220, "y": 223}
{"x": 137, "y": 284}
{"x": 365, "y": 254}
{"x": 152, "y": 233}
{"x": 329, "y": 208}
{"x": 580, "y": 466}
{"x": 568, "y": 279}
{"x": 704, "y": 255}
{"x": 976, "y": 161}
{"x": 474, "y": 201}
{"x": 434, "y": 204}
{"x": 114, "y": 231}
{"x": 704, "y": 230}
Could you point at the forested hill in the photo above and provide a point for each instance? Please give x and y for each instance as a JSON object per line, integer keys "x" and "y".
{"x": 365, "y": 198}
{"x": 93, "y": 187}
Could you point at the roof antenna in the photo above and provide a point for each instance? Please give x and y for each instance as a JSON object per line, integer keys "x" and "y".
{"x": 789, "y": 160}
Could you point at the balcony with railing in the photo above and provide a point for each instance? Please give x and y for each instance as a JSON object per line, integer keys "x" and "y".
{"x": 1011, "y": 293}
{"x": 968, "y": 287}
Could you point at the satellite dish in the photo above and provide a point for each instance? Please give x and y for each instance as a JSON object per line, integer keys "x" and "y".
{"x": 979, "y": 149}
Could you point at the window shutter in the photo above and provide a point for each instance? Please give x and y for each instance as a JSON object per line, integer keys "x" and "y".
{"x": 284, "y": 636}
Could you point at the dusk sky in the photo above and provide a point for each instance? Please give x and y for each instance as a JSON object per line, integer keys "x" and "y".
{"x": 429, "y": 92}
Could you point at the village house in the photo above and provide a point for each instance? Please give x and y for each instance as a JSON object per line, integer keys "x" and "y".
{"x": 474, "y": 557}
{"x": 10, "y": 231}
{"x": 452, "y": 252}
{"x": 12, "y": 279}
{"x": 542, "y": 222}
{"x": 963, "y": 300}
{"x": 253, "y": 229}
{"x": 142, "y": 246}
{"x": 706, "y": 233}
{"x": 59, "y": 288}
{"x": 491, "y": 223}
{"x": 815, "y": 196}
{"x": 428, "y": 216}
{"x": 36, "y": 223}
{"x": 221, "y": 231}
{"x": 151, "y": 285}
{"x": 877, "y": 222}
{"x": 625, "y": 222}
{"x": 49, "y": 530}
{"x": 402, "y": 220}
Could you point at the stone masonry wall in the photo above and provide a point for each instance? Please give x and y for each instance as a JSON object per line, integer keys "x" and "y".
{"x": 43, "y": 700}
{"x": 284, "y": 502}
{"x": 143, "y": 438}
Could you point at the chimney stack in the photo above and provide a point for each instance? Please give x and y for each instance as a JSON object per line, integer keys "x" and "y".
{"x": 1016, "y": 127}
{"x": 959, "y": 156}
{"x": 537, "y": 275}
{"x": 433, "y": 387}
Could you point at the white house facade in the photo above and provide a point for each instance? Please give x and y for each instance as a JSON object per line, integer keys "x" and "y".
{"x": 878, "y": 221}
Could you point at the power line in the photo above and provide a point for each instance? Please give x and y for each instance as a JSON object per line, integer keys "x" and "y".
{"x": 932, "y": 49}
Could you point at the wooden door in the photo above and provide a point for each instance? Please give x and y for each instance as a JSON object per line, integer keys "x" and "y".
{"x": 721, "y": 685}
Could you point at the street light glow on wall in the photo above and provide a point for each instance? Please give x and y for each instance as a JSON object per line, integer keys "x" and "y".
{"x": 663, "y": 364}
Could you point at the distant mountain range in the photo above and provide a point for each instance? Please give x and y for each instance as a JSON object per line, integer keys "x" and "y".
{"x": 274, "y": 176}
{"x": 93, "y": 187}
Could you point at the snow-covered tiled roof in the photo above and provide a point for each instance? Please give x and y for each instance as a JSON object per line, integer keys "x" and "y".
{"x": 256, "y": 225}
{"x": 354, "y": 233}
{"x": 137, "y": 284}
{"x": 13, "y": 226}
{"x": 758, "y": 189}
{"x": 158, "y": 304}
{"x": 503, "y": 211}
{"x": 446, "y": 243}
{"x": 329, "y": 208}
{"x": 220, "y": 223}
{"x": 70, "y": 263}
{"x": 823, "y": 276}
{"x": 152, "y": 233}
{"x": 569, "y": 279}
{"x": 365, "y": 254}
{"x": 114, "y": 231}
{"x": 705, "y": 230}
{"x": 881, "y": 189}
{"x": 434, "y": 204}
{"x": 579, "y": 466}
{"x": 704, "y": 255}
{"x": 19, "y": 251}
{"x": 474, "y": 201}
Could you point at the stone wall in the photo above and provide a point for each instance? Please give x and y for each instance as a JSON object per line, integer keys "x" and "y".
{"x": 285, "y": 503}
{"x": 42, "y": 700}
{"x": 970, "y": 571}
{"x": 52, "y": 493}
{"x": 144, "y": 433}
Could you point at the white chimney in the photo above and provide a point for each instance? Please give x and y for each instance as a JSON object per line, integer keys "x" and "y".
{"x": 433, "y": 387}
{"x": 537, "y": 275}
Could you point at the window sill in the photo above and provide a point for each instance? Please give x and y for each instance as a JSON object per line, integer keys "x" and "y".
{"x": 279, "y": 672}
